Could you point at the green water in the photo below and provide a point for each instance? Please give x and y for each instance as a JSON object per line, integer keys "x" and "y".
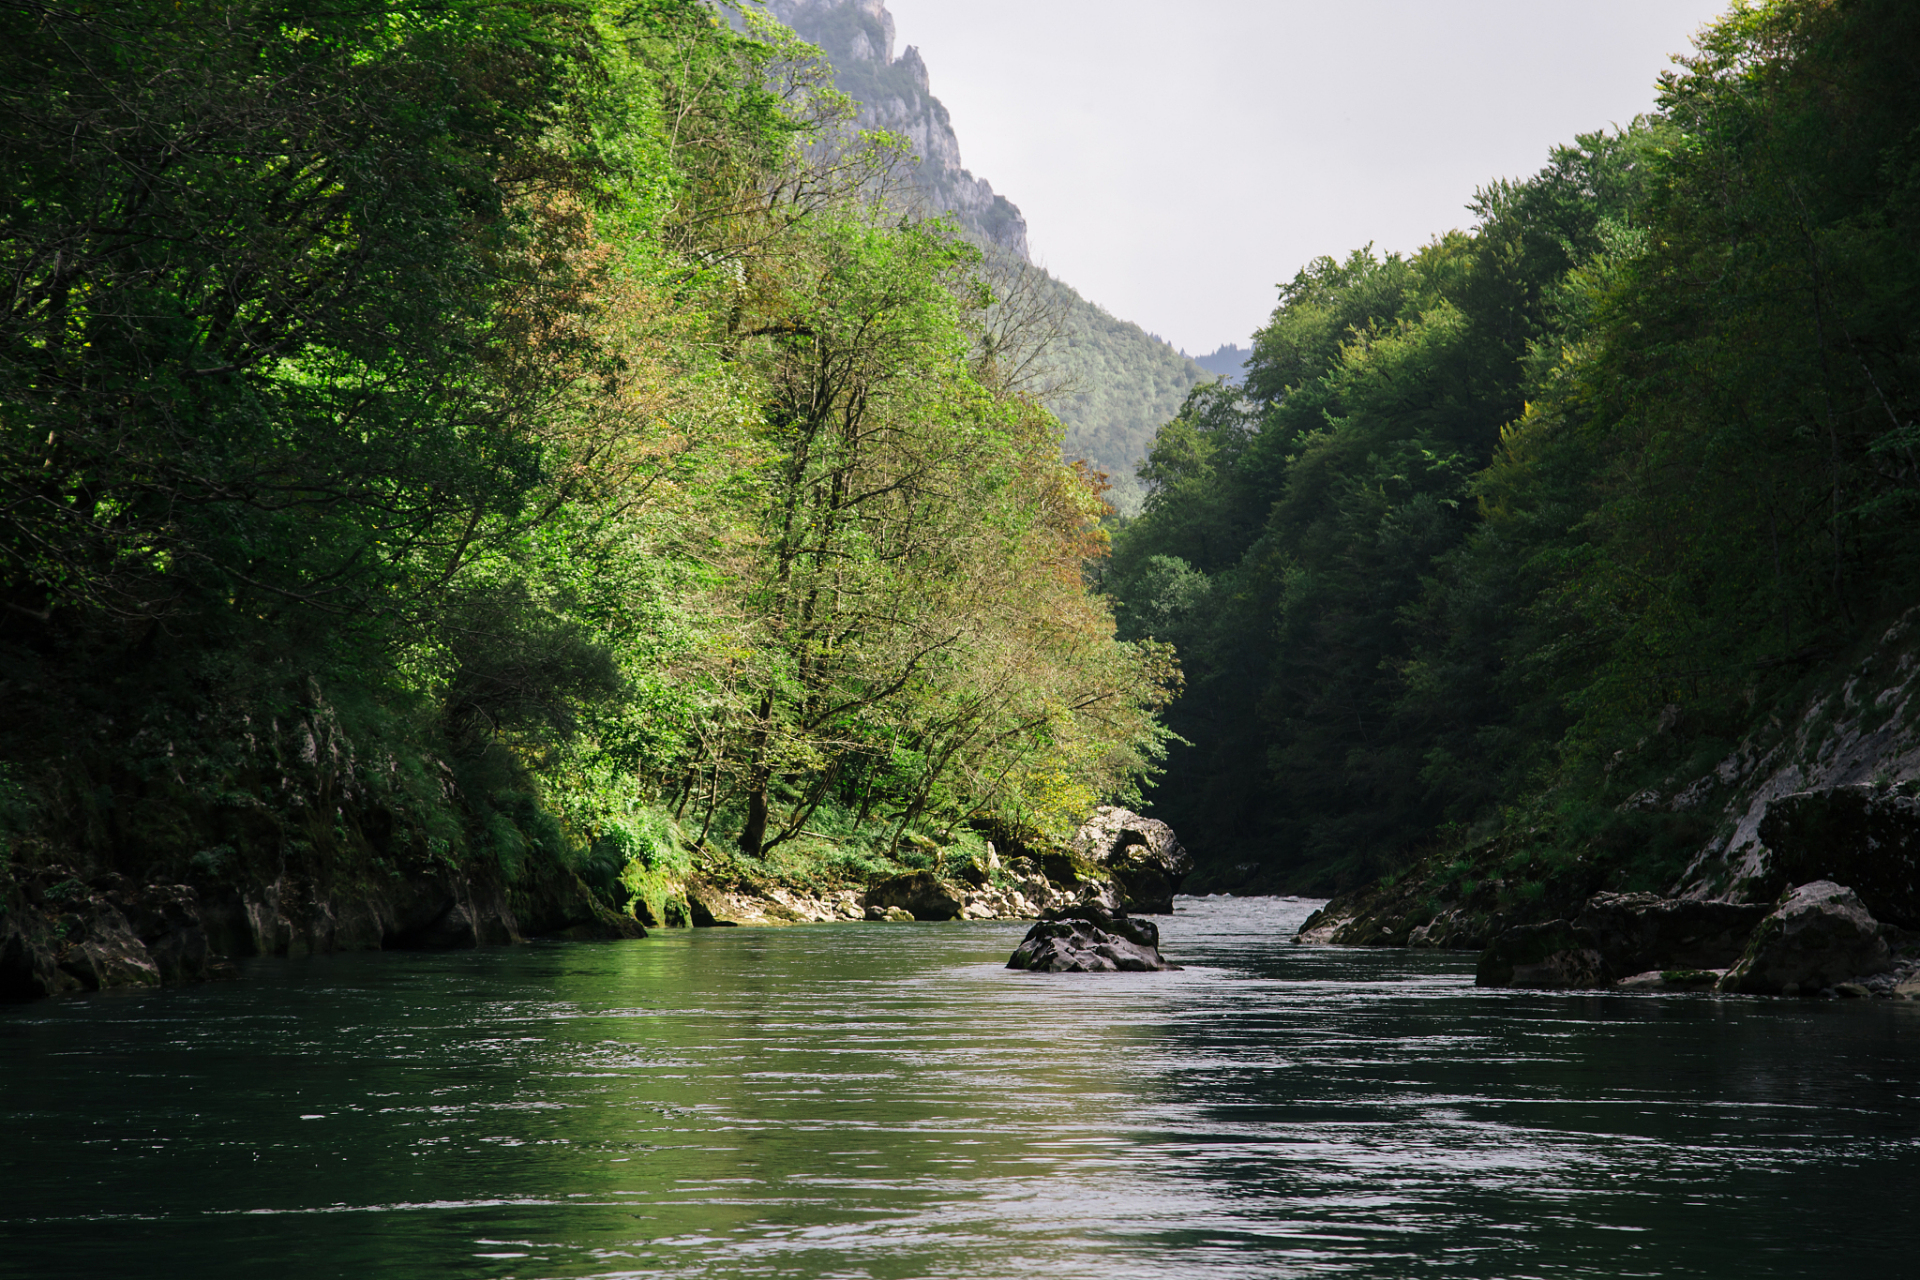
{"x": 887, "y": 1101}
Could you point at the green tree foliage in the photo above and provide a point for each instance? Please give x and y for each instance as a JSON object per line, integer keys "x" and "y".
{"x": 1629, "y": 455}
{"x": 469, "y": 433}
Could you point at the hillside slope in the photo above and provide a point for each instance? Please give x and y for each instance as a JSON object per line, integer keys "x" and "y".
{"x": 1118, "y": 382}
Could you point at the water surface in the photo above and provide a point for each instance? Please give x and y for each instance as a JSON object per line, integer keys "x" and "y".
{"x": 887, "y": 1101}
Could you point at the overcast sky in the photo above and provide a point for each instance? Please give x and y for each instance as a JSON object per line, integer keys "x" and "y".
{"x": 1175, "y": 161}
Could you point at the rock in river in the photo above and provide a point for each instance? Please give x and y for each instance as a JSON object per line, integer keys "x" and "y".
{"x": 1817, "y": 937}
{"x": 1090, "y": 939}
{"x": 1145, "y": 859}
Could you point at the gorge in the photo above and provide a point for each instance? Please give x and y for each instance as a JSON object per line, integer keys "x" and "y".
{"x": 574, "y": 702}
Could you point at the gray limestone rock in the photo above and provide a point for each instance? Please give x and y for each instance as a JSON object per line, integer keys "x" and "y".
{"x": 1819, "y": 936}
{"x": 1144, "y": 857}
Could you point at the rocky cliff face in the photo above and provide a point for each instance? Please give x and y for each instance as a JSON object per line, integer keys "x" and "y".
{"x": 857, "y": 37}
{"x": 1835, "y": 784}
{"x": 1824, "y": 791}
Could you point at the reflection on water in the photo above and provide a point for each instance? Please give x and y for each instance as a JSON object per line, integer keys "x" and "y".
{"x": 887, "y": 1101}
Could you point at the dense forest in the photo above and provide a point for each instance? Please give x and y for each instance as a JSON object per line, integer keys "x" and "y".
{"x": 521, "y": 436}
{"x": 1499, "y": 532}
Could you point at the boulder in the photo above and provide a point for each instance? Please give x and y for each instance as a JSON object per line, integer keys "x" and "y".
{"x": 1671, "y": 980}
{"x": 1144, "y": 857}
{"x": 166, "y": 919}
{"x": 1621, "y": 936}
{"x": 1866, "y": 839}
{"x": 921, "y": 892}
{"x": 891, "y": 915}
{"x": 100, "y": 949}
{"x": 1636, "y": 932}
{"x": 1818, "y": 936}
{"x": 702, "y": 900}
{"x": 1088, "y": 938}
{"x": 27, "y": 971}
{"x": 1551, "y": 956}
{"x": 1318, "y": 929}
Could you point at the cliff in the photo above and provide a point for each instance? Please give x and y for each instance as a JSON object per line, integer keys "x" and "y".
{"x": 858, "y": 37}
{"x": 1113, "y": 383}
{"x": 1826, "y": 788}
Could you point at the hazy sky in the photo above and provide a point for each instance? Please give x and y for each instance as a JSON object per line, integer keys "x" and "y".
{"x": 1176, "y": 160}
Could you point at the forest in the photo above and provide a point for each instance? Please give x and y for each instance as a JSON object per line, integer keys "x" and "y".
{"x": 518, "y": 436}
{"x": 1500, "y": 532}
{"x": 539, "y": 439}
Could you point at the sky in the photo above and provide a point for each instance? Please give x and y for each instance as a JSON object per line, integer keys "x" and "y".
{"x": 1176, "y": 161}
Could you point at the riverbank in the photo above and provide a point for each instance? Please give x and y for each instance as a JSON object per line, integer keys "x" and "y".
{"x": 68, "y": 928}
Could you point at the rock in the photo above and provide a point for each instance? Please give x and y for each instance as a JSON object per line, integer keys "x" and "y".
{"x": 1550, "y": 956}
{"x": 1318, "y": 929}
{"x": 100, "y": 949}
{"x": 27, "y": 971}
{"x": 920, "y": 892}
{"x": 470, "y": 915}
{"x": 1624, "y": 937}
{"x": 1455, "y": 930}
{"x": 1671, "y": 980}
{"x": 1818, "y": 936}
{"x": 1089, "y": 938}
{"x": 972, "y": 873}
{"x": 1866, "y": 839}
{"x": 166, "y": 919}
{"x": 1634, "y": 932}
{"x": 1142, "y": 854}
{"x": 700, "y": 899}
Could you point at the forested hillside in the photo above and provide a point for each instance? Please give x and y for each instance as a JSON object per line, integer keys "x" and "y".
{"x": 1560, "y": 508}
{"x": 1109, "y": 381}
{"x": 515, "y": 438}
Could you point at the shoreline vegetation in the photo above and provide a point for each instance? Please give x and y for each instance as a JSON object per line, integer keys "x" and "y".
{"x": 1571, "y": 558}
{"x": 487, "y": 467}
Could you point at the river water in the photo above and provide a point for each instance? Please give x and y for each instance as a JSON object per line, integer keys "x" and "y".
{"x": 887, "y": 1101}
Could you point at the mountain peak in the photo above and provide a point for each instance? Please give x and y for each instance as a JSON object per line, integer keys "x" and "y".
{"x": 894, "y": 94}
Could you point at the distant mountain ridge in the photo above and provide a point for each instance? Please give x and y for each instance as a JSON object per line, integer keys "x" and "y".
{"x": 1122, "y": 382}
{"x": 1229, "y": 361}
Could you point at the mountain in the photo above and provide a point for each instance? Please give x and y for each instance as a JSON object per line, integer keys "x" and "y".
{"x": 1229, "y": 362}
{"x": 1114, "y": 383}
{"x": 857, "y": 37}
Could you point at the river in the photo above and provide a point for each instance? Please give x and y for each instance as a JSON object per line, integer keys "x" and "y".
{"x": 887, "y": 1101}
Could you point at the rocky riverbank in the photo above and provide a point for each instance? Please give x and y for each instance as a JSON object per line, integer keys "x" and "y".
{"x": 68, "y": 929}
{"x": 1808, "y": 829}
{"x": 1117, "y": 859}
{"x": 1816, "y": 939}
{"x": 63, "y": 930}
